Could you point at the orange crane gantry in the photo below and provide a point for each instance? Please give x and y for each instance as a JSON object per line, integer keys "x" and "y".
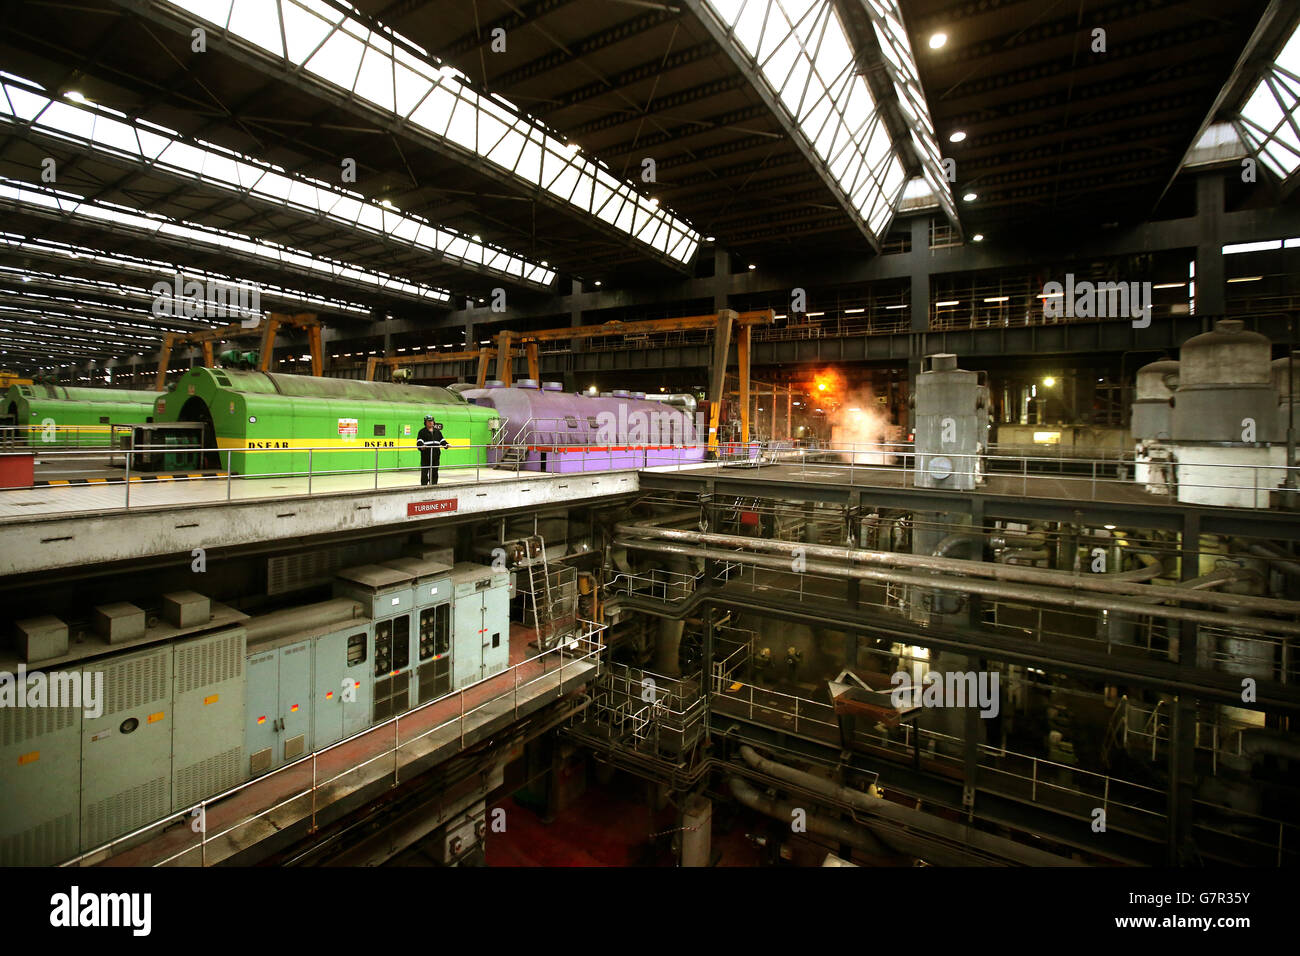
{"x": 271, "y": 324}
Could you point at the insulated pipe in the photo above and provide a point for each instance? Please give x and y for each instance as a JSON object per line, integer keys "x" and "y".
{"x": 897, "y": 814}
{"x": 858, "y": 837}
{"x": 1279, "y": 561}
{"x": 1016, "y": 592}
{"x": 1122, "y": 583}
{"x": 1258, "y": 741}
{"x": 972, "y": 544}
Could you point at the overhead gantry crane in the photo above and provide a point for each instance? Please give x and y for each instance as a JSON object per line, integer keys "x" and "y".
{"x": 508, "y": 341}
{"x": 272, "y": 323}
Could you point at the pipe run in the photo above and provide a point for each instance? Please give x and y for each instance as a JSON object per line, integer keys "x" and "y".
{"x": 1013, "y": 592}
{"x": 1127, "y": 582}
{"x": 922, "y": 829}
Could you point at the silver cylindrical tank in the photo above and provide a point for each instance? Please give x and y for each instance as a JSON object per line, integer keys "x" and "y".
{"x": 1225, "y": 387}
{"x": 951, "y": 425}
{"x": 1152, "y": 410}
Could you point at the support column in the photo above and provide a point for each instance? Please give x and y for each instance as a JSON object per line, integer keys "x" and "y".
{"x": 575, "y": 319}
{"x": 718, "y": 373}
{"x": 533, "y": 351}
{"x": 919, "y": 258}
{"x": 697, "y": 822}
{"x": 742, "y": 362}
{"x": 505, "y": 358}
{"x": 919, "y": 304}
{"x": 706, "y": 666}
{"x": 1211, "y": 295}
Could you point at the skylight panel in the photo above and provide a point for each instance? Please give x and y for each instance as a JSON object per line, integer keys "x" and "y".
{"x": 73, "y": 206}
{"x": 344, "y": 53}
{"x": 223, "y": 168}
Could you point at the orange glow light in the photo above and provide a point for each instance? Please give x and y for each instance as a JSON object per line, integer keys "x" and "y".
{"x": 261, "y": 720}
{"x": 329, "y": 694}
{"x": 293, "y": 709}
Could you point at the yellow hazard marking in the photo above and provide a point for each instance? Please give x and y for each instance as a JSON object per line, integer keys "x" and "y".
{"x": 32, "y": 757}
{"x": 211, "y": 700}
{"x": 154, "y": 718}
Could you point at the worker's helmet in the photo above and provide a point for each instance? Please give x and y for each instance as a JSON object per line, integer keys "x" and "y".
{"x": 428, "y": 418}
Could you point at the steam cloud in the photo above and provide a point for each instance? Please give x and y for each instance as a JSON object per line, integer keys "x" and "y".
{"x": 858, "y": 424}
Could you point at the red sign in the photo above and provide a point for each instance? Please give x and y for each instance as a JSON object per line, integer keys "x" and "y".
{"x": 416, "y": 509}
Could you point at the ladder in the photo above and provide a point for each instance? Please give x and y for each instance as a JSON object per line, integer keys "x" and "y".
{"x": 543, "y": 600}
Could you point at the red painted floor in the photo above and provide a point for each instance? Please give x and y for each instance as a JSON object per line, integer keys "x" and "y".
{"x": 607, "y": 826}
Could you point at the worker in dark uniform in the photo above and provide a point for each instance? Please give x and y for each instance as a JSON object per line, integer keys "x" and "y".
{"x": 431, "y": 443}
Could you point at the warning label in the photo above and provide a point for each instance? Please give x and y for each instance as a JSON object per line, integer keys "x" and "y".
{"x": 416, "y": 509}
{"x": 347, "y": 428}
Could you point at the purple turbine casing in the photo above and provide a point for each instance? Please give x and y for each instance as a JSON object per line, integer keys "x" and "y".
{"x": 564, "y": 432}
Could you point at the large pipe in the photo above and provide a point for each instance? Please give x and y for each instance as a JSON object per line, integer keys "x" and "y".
{"x": 1122, "y": 583}
{"x": 1014, "y": 592}
{"x": 971, "y": 544}
{"x": 1276, "y": 559}
{"x": 858, "y": 837}
{"x": 901, "y": 816}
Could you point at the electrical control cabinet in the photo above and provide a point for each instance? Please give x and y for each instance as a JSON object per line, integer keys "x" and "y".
{"x": 390, "y": 595}
{"x": 40, "y": 753}
{"x": 481, "y": 626}
{"x": 341, "y": 704}
{"x": 383, "y": 590}
{"x": 393, "y": 673}
{"x": 208, "y": 728}
{"x": 432, "y": 588}
{"x": 126, "y": 752}
{"x": 278, "y": 710}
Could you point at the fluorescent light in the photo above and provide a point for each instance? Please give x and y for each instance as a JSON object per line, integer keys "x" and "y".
{"x": 998, "y": 298}
{"x": 1246, "y": 279}
{"x": 896, "y": 307}
{"x": 940, "y": 305}
{"x": 1169, "y": 285}
{"x": 1252, "y": 246}
{"x": 853, "y": 311}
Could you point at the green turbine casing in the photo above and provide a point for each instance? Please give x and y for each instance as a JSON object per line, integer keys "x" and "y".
{"x": 264, "y": 422}
{"x": 90, "y": 410}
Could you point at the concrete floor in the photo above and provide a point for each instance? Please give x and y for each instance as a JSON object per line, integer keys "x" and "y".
{"x": 113, "y": 494}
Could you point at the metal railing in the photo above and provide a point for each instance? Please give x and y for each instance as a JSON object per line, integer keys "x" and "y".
{"x": 883, "y": 464}
{"x": 583, "y": 649}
